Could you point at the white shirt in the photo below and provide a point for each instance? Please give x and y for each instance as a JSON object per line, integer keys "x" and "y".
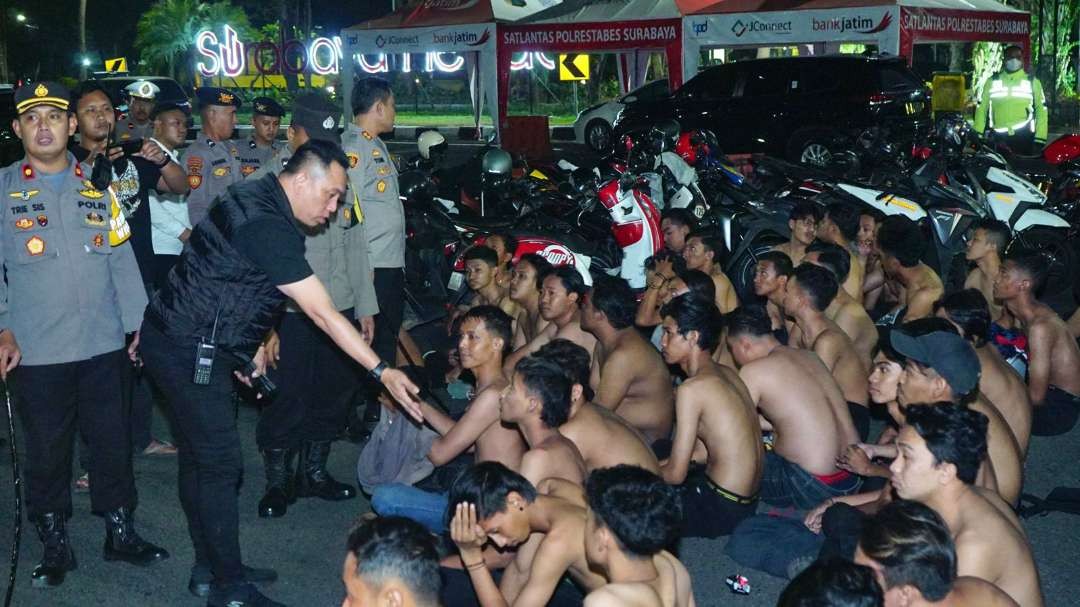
{"x": 168, "y": 217}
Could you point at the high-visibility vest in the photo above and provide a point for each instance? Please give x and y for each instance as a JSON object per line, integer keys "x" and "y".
{"x": 1000, "y": 94}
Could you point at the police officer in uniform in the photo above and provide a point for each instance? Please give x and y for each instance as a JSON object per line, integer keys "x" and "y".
{"x": 262, "y": 144}
{"x": 373, "y": 174}
{"x": 213, "y": 161}
{"x": 1013, "y": 106}
{"x": 72, "y": 293}
{"x": 137, "y": 124}
{"x": 315, "y": 379}
{"x": 220, "y": 301}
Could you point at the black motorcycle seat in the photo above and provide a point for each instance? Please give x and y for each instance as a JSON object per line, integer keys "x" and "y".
{"x": 1031, "y": 164}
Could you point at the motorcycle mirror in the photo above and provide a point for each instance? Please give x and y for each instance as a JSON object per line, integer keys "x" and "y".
{"x": 627, "y": 181}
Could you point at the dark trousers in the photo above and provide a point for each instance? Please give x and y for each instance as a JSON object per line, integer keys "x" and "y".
{"x": 315, "y": 380}
{"x": 142, "y": 411}
{"x": 210, "y": 463}
{"x": 51, "y": 400}
{"x": 390, "y": 291}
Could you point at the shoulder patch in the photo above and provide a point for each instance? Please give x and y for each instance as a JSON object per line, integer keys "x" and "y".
{"x": 354, "y": 160}
{"x": 194, "y": 181}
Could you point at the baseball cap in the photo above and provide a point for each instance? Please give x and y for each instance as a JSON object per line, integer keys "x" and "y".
{"x": 41, "y": 93}
{"x": 319, "y": 118}
{"x": 948, "y": 354}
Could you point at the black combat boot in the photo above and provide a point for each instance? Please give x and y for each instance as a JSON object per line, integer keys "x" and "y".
{"x": 122, "y": 543}
{"x": 57, "y": 559}
{"x": 279, "y": 492}
{"x": 312, "y": 479}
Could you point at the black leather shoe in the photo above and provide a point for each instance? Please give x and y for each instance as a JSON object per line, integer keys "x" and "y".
{"x": 244, "y": 595}
{"x": 312, "y": 479}
{"x": 122, "y": 543}
{"x": 279, "y": 494}
{"x": 57, "y": 558}
{"x": 202, "y": 577}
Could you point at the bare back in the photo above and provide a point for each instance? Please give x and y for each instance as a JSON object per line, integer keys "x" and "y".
{"x": 975, "y": 592}
{"x": 555, "y": 457}
{"x": 977, "y": 279}
{"x": 670, "y": 588}
{"x": 605, "y": 440}
{"x": 726, "y": 298}
{"x": 498, "y": 442}
{"x": 634, "y": 382}
{"x": 798, "y": 396}
{"x": 853, "y": 320}
{"x": 1003, "y": 451}
{"x": 1004, "y": 387}
{"x": 836, "y": 350}
{"x": 853, "y": 284}
{"x": 920, "y": 296}
{"x": 1053, "y": 352}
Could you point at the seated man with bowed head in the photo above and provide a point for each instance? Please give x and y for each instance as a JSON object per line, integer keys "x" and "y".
{"x": 914, "y": 559}
{"x": 491, "y": 503}
{"x": 632, "y": 517}
{"x": 391, "y": 562}
{"x": 603, "y": 438}
{"x": 712, "y": 407}
{"x": 941, "y": 447}
{"x": 833, "y": 583}
{"x": 902, "y": 246}
{"x": 628, "y": 375}
{"x": 802, "y": 404}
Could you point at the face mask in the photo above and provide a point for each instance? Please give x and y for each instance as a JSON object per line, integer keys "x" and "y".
{"x": 1013, "y": 65}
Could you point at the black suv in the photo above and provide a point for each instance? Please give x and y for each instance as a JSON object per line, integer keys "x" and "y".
{"x": 10, "y": 146}
{"x": 795, "y": 107}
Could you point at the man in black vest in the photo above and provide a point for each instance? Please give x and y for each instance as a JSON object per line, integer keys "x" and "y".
{"x": 227, "y": 290}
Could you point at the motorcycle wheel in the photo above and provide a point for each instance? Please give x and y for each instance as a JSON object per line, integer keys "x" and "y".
{"x": 741, "y": 270}
{"x": 1064, "y": 268}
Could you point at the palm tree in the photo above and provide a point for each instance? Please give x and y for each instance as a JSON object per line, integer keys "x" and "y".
{"x": 165, "y": 34}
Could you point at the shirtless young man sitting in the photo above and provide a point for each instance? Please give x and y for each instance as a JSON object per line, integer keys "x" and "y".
{"x": 968, "y": 311}
{"x": 942, "y": 367}
{"x": 505, "y": 246}
{"x": 840, "y": 226}
{"x": 809, "y": 292}
{"x": 677, "y": 224}
{"x": 485, "y": 333}
{"x": 491, "y": 503}
{"x": 481, "y": 268}
{"x": 525, "y": 282}
{"x": 1053, "y": 354}
{"x": 562, "y": 291}
{"x": 603, "y": 438}
{"x": 537, "y": 401}
{"x": 802, "y": 221}
{"x": 660, "y": 270}
{"x": 712, "y": 407}
{"x": 940, "y": 449}
{"x": 628, "y": 375}
{"x": 703, "y": 253}
{"x": 632, "y": 517}
{"x": 848, "y": 314}
{"x": 771, "y": 274}
{"x": 985, "y": 248}
{"x": 801, "y": 403}
{"x": 902, "y": 246}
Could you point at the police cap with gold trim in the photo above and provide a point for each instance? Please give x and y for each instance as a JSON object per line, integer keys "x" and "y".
{"x": 209, "y": 96}
{"x": 265, "y": 106}
{"x": 34, "y": 94}
{"x": 143, "y": 89}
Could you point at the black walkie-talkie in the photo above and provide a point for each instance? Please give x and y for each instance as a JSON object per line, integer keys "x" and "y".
{"x": 204, "y": 356}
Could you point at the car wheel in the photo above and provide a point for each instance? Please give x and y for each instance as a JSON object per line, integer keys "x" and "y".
{"x": 598, "y": 135}
{"x": 811, "y": 147}
{"x": 741, "y": 271}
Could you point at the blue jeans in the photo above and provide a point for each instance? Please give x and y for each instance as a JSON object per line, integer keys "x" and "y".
{"x": 397, "y": 499}
{"x": 786, "y": 485}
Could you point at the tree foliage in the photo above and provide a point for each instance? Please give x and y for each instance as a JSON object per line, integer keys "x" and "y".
{"x": 165, "y": 34}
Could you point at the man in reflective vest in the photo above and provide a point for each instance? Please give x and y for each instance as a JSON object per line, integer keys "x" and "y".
{"x": 1012, "y": 105}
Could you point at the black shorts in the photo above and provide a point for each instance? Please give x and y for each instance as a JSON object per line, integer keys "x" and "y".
{"x": 1057, "y": 414}
{"x": 860, "y": 415}
{"x": 709, "y": 510}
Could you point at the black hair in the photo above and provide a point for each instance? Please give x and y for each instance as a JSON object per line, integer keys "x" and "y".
{"x": 711, "y": 241}
{"x": 913, "y": 546}
{"x": 87, "y": 87}
{"x": 877, "y": 215}
{"x": 678, "y": 264}
{"x": 819, "y": 284}
{"x": 641, "y": 510}
{"x": 482, "y": 253}
{"x": 323, "y": 152}
{"x": 1012, "y": 47}
{"x": 393, "y": 547}
{"x": 1033, "y": 263}
{"x": 996, "y": 231}
{"x": 486, "y": 485}
{"x": 509, "y": 240}
{"x": 681, "y": 217}
{"x": 954, "y": 435}
{"x": 968, "y": 308}
{"x": 694, "y": 313}
{"x": 833, "y": 258}
{"x": 539, "y": 263}
{"x": 748, "y": 319}
{"x": 496, "y": 322}
{"x": 571, "y": 280}
{"x": 901, "y": 238}
{"x": 780, "y": 260}
{"x": 804, "y": 209}
{"x": 574, "y": 360}
{"x": 846, "y": 218}
{"x": 367, "y": 92}
{"x": 884, "y": 347}
{"x": 615, "y": 299}
{"x": 833, "y": 583}
{"x": 546, "y": 380}
{"x": 699, "y": 283}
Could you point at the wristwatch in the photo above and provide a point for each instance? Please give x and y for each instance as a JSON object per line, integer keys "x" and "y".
{"x": 377, "y": 372}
